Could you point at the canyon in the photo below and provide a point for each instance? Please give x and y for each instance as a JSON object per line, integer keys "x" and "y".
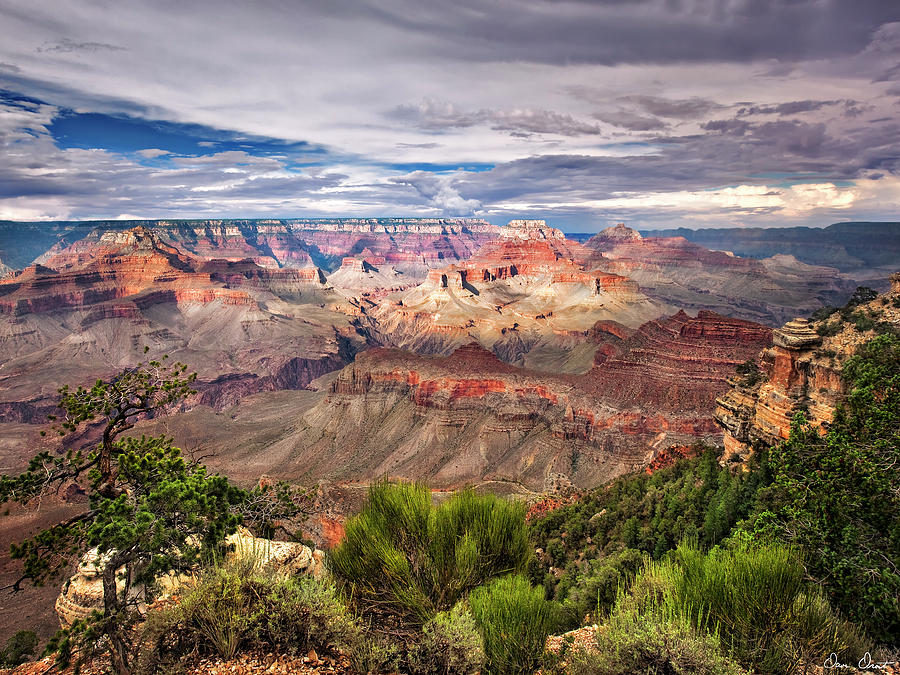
{"x": 335, "y": 352}
{"x": 470, "y": 418}
{"x": 275, "y": 305}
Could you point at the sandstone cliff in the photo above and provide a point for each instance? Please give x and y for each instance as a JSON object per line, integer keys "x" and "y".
{"x": 801, "y": 371}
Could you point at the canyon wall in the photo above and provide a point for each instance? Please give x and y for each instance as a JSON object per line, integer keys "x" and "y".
{"x": 470, "y": 418}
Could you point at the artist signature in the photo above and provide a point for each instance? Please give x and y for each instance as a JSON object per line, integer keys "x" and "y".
{"x": 865, "y": 663}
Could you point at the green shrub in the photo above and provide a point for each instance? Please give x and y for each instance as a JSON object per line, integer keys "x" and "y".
{"x": 514, "y": 619}
{"x": 653, "y": 642}
{"x": 296, "y": 614}
{"x": 218, "y": 610}
{"x": 404, "y": 556}
{"x": 830, "y": 329}
{"x": 449, "y": 643}
{"x": 648, "y": 632}
{"x": 595, "y": 589}
{"x": 375, "y": 652}
{"x": 758, "y": 601}
{"x": 18, "y": 648}
{"x": 235, "y": 604}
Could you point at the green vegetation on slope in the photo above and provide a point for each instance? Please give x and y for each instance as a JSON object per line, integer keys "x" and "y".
{"x": 600, "y": 541}
{"x": 837, "y": 496}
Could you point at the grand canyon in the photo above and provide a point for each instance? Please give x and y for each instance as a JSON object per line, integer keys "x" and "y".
{"x": 510, "y": 337}
{"x": 336, "y": 353}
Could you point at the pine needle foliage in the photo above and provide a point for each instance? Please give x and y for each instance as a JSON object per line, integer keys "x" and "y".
{"x": 408, "y": 558}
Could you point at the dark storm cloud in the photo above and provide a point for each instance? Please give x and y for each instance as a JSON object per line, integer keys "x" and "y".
{"x": 649, "y": 31}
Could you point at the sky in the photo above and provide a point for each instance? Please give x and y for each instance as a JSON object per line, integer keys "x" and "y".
{"x": 657, "y": 113}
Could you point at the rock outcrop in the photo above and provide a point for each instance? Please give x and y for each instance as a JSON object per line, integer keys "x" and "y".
{"x": 82, "y": 594}
{"x": 802, "y": 371}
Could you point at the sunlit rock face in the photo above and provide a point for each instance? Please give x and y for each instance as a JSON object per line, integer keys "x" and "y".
{"x": 412, "y": 246}
{"x": 687, "y": 275}
{"x": 528, "y": 289}
{"x": 470, "y": 417}
{"x": 801, "y": 371}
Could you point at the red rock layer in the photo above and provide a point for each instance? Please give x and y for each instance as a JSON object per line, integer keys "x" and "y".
{"x": 677, "y": 363}
{"x": 135, "y": 265}
{"x": 658, "y": 390}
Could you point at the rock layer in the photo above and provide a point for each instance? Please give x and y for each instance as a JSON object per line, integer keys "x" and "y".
{"x": 469, "y": 417}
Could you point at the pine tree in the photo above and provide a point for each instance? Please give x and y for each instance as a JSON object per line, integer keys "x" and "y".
{"x": 151, "y": 511}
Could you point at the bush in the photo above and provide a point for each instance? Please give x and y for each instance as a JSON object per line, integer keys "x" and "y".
{"x": 218, "y": 610}
{"x": 18, "y": 648}
{"x": 652, "y": 643}
{"x": 449, "y": 643}
{"x": 514, "y": 619}
{"x": 234, "y": 604}
{"x": 596, "y": 588}
{"x": 757, "y": 600}
{"x": 405, "y": 557}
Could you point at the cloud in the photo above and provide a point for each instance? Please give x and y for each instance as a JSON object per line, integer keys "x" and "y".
{"x": 152, "y": 153}
{"x": 371, "y": 107}
{"x": 790, "y": 107}
{"x": 437, "y": 115}
{"x": 440, "y": 191}
{"x": 66, "y": 46}
{"x": 628, "y": 120}
{"x": 687, "y": 108}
